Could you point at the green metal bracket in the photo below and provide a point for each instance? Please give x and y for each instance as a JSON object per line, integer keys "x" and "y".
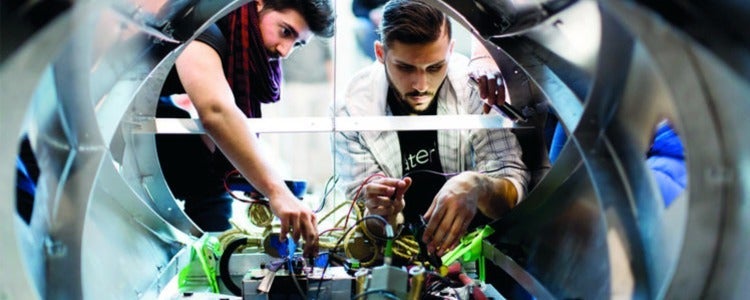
{"x": 470, "y": 249}
{"x": 203, "y": 254}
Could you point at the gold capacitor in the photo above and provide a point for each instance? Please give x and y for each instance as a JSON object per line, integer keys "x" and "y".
{"x": 260, "y": 214}
{"x": 417, "y": 282}
{"x": 361, "y": 278}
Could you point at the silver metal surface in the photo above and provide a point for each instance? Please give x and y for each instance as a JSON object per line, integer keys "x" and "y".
{"x": 93, "y": 233}
{"x": 641, "y": 69}
{"x": 139, "y": 162}
{"x": 83, "y": 87}
{"x": 322, "y": 124}
{"x": 337, "y": 285}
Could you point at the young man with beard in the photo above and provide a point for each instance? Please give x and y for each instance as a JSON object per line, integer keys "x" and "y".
{"x": 226, "y": 73}
{"x": 417, "y": 74}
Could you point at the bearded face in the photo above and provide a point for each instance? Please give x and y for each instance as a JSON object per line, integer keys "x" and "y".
{"x": 416, "y": 71}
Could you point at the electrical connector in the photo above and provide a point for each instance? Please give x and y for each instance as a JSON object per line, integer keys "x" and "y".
{"x": 352, "y": 265}
{"x": 388, "y": 279}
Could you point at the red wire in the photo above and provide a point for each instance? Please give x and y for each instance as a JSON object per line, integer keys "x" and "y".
{"x": 229, "y": 191}
{"x": 359, "y": 190}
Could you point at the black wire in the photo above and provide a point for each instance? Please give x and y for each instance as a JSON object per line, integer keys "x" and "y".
{"x": 436, "y": 280}
{"x": 439, "y": 284}
{"x": 294, "y": 278}
{"x": 385, "y": 238}
{"x": 386, "y": 293}
{"x": 333, "y": 250}
{"x": 224, "y": 265}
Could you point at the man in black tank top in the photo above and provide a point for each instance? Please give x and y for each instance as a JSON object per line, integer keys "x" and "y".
{"x": 226, "y": 73}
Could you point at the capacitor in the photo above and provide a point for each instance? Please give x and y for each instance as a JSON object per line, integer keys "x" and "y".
{"x": 417, "y": 282}
{"x": 361, "y": 278}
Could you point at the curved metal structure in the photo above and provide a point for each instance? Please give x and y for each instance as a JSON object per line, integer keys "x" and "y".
{"x": 80, "y": 79}
{"x": 594, "y": 227}
{"x": 104, "y": 221}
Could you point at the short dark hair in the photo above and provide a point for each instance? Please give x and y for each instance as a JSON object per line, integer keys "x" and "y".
{"x": 412, "y": 22}
{"x": 317, "y": 13}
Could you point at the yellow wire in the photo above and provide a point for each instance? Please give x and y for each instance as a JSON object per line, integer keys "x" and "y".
{"x": 358, "y": 216}
{"x": 334, "y": 210}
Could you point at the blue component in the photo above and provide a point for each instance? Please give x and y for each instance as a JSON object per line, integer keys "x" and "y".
{"x": 322, "y": 260}
{"x": 285, "y": 248}
{"x": 291, "y": 247}
{"x": 281, "y": 247}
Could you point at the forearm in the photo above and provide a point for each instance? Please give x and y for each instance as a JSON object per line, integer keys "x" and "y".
{"x": 498, "y": 155}
{"x": 498, "y": 196}
{"x": 227, "y": 128}
{"x": 201, "y": 73}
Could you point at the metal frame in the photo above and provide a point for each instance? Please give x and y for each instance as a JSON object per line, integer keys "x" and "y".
{"x": 644, "y": 70}
{"x": 84, "y": 100}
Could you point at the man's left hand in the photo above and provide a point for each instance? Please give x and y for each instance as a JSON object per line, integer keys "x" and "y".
{"x": 451, "y": 212}
{"x": 484, "y": 71}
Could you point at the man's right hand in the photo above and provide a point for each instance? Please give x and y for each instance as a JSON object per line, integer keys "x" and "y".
{"x": 484, "y": 71}
{"x": 297, "y": 219}
{"x": 385, "y": 197}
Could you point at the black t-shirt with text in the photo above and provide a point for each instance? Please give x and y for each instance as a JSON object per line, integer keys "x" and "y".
{"x": 420, "y": 160}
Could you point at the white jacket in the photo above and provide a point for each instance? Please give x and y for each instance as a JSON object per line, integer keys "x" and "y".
{"x": 361, "y": 154}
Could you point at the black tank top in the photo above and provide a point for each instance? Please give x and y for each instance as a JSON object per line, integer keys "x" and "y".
{"x": 190, "y": 169}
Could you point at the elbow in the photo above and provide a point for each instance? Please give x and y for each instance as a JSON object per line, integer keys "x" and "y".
{"x": 213, "y": 116}
{"x": 500, "y": 200}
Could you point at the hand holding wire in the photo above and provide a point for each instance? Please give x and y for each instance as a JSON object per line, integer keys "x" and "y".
{"x": 451, "y": 211}
{"x": 489, "y": 81}
{"x": 385, "y": 196}
{"x": 486, "y": 74}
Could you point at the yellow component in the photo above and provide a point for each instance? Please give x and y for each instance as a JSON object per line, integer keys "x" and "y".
{"x": 417, "y": 281}
{"x": 443, "y": 270}
{"x": 361, "y": 280}
{"x": 360, "y": 248}
{"x": 342, "y": 205}
{"x": 326, "y": 246}
{"x": 235, "y": 233}
{"x": 227, "y": 236}
{"x": 406, "y": 246}
{"x": 368, "y": 249}
{"x": 357, "y": 214}
{"x": 259, "y": 214}
{"x": 356, "y": 245}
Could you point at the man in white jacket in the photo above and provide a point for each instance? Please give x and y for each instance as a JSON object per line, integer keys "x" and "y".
{"x": 446, "y": 175}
